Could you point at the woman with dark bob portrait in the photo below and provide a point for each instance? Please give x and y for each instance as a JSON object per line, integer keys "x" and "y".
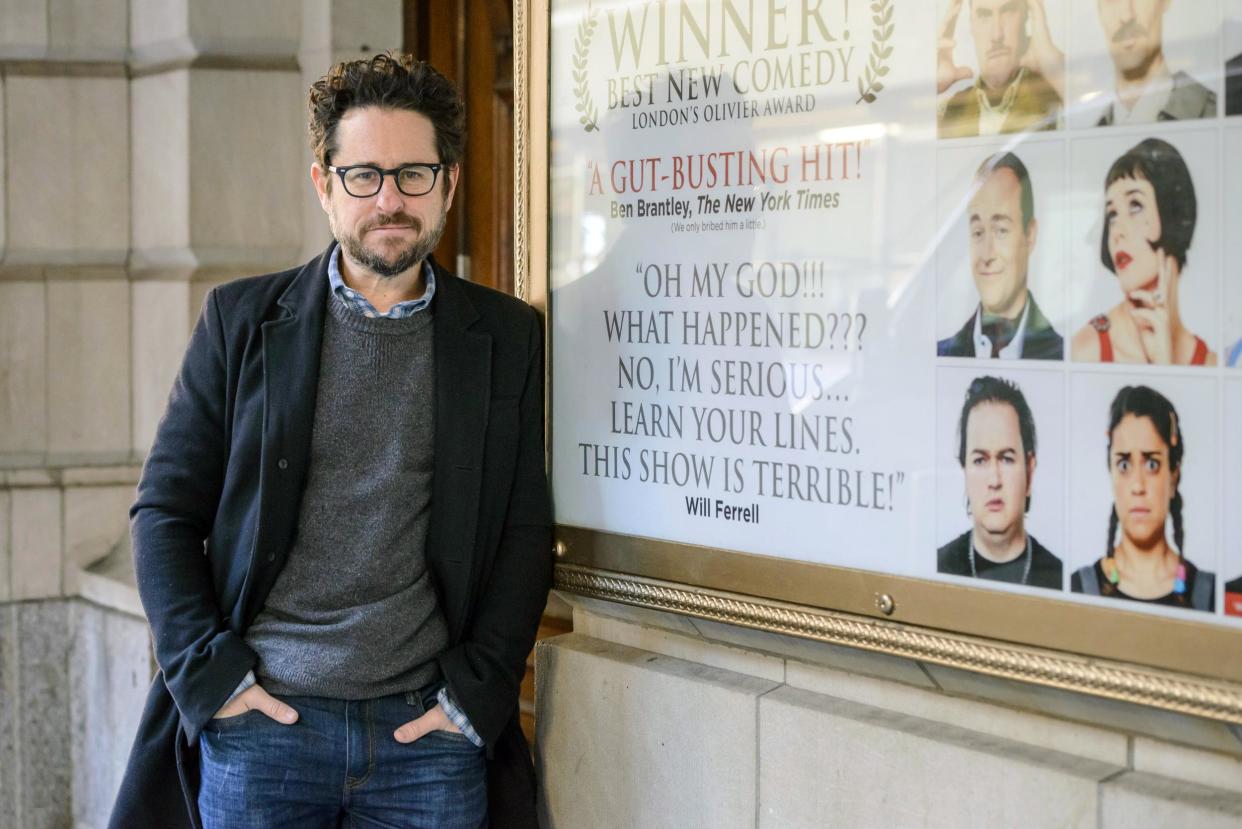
{"x": 1149, "y": 222}
{"x": 1145, "y": 452}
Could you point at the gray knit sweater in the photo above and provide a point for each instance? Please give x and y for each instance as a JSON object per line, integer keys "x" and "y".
{"x": 353, "y": 614}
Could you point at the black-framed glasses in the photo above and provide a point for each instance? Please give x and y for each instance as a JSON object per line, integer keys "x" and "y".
{"x": 365, "y": 180}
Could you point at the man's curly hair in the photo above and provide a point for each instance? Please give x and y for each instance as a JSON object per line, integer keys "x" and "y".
{"x": 390, "y": 82}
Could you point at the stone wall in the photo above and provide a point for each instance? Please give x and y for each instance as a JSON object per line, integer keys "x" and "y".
{"x": 151, "y": 149}
{"x": 655, "y": 720}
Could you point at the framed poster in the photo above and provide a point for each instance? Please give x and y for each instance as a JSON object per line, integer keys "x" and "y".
{"x": 898, "y": 324}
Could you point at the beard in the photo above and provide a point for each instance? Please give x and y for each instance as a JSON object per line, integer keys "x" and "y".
{"x": 423, "y": 244}
{"x": 1134, "y": 66}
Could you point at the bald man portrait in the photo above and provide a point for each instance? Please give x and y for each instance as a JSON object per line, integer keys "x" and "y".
{"x": 1020, "y": 80}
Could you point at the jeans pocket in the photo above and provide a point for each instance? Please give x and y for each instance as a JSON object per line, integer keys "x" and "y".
{"x": 452, "y": 736}
{"x": 234, "y": 722}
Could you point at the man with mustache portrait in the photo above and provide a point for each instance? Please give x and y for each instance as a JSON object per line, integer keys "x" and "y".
{"x": 342, "y": 533}
{"x": 1146, "y": 89}
{"x": 1021, "y": 79}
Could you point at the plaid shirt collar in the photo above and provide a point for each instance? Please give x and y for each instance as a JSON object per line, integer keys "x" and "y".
{"x": 357, "y": 303}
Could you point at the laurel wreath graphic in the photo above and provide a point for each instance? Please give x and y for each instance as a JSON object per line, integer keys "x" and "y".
{"x": 588, "y": 116}
{"x": 869, "y": 83}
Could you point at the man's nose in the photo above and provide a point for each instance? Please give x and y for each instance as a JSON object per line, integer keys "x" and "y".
{"x": 996, "y": 477}
{"x": 389, "y": 199}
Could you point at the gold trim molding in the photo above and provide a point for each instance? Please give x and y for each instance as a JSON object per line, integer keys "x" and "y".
{"x": 521, "y": 142}
{"x": 1156, "y": 688}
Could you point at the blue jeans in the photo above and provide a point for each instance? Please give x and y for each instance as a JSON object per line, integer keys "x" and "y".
{"x": 339, "y": 766}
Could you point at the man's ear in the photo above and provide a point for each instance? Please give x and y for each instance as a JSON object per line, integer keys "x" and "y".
{"x": 1030, "y": 472}
{"x": 450, "y": 176}
{"x": 322, "y": 180}
{"x": 1032, "y": 234}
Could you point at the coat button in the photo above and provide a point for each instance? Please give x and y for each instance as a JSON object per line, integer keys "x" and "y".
{"x": 282, "y": 464}
{"x": 271, "y": 557}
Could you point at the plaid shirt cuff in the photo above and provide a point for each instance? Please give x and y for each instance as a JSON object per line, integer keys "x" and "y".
{"x": 247, "y": 681}
{"x": 458, "y": 717}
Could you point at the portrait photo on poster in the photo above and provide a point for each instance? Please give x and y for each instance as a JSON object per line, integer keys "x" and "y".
{"x": 1144, "y": 490}
{"x": 1000, "y": 473}
{"x": 1144, "y": 61}
{"x": 1231, "y": 354}
{"x": 1232, "y": 30}
{"x": 1231, "y": 569}
{"x": 1145, "y": 284}
{"x": 1000, "y": 66}
{"x": 1000, "y": 261}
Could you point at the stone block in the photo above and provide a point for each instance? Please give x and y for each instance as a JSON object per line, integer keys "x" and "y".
{"x": 273, "y": 27}
{"x": 43, "y": 718}
{"x": 9, "y": 684}
{"x": 691, "y": 648}
{"x": 832, "y": 762}
{"x": 161, "y": 318}
{"x": 630, "y": 738}
{"x": 23, "y": 28}
{"x": 4, "y": 202}
{"x": 247, "y": 131}
{"x": 88, "y": 371}
{"x": 238, "y": 134}
{"x": 157, "y": 21}
{"x": 96, "y": 519}
{"x": 88, "y": 29}
{"x": 1211, "y": 769}
{"x": 663, "y": 620}
{"x": 110, "y": 671}
{"x": 73, "y": 140}
{"x": 23, "y": 371}
{"x": 32, "y": 477}
{"x": 124, "y": 474}
{"x": 110, "y": 583}
{"x": 1154, "y": 802}
{"x": 6, "y": 552}
{"x": 853, "y": 660}
{"x": 361, "y": 28}
{"x": 35, "y": 542}
{"x": 215, "y": 27}
{"x": 1107, "y": 747}
{"x": 1212, "y": 735}
{"x": 160, "y": 149}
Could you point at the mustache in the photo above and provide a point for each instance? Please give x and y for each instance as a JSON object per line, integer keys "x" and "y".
{"x": 387, "y": 220}
{"x": 1130, "y": 29}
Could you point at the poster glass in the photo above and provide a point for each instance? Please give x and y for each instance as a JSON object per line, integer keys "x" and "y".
{"x": 946, "y": 290}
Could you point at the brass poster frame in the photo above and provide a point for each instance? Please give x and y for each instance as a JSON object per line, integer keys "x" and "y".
{"x": 1171, "y": 664}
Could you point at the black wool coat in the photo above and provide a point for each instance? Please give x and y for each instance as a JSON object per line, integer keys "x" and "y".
{"x": 218, "y": 504}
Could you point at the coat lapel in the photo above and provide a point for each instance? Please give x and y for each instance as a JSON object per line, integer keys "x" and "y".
{"x": 291, "y": 346}
{"x": 463, "y": 392}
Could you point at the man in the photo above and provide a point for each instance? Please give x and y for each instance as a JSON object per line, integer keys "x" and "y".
{"x": 1146, "y": 90}
{"x": 342, "y": 532}
{"x": 1007, "y": 324}
{"x": 1021, "y": 78}
{"x": 996, "y": 450}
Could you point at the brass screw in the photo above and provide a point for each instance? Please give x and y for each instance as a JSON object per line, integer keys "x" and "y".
{"x": 886, "y": 603}
{"x": 560, "y": 548}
